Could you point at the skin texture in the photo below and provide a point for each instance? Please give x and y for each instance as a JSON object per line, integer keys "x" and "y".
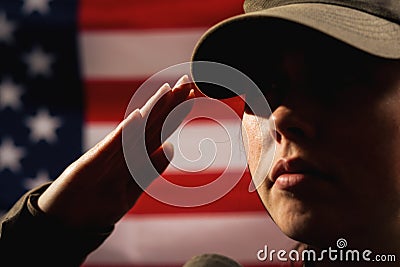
{"x": 338, "y": 110}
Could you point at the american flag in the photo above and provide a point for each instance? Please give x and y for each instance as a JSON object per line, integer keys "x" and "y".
{"x": 68, "y": 70}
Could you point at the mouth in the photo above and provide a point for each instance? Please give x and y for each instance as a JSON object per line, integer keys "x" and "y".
{"x": 288, "y": 174}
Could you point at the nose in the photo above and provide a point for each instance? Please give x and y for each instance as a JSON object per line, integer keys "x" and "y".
{"x": 291, "y": 125}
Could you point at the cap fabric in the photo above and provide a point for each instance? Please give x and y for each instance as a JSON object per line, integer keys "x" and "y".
{"x": 211, "y": 260}
{"x": 372, "y": 26}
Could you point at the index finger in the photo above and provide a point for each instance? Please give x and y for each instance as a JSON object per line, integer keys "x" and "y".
{"x": 155, "y": 124}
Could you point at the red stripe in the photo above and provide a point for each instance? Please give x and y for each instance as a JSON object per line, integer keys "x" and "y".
{"x": 147, "y": 14}
{"x": 239, "y": 199}
{"x": 107, "y": 100}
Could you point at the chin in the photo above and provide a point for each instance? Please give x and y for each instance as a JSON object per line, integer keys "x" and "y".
{"x": 303, "y": 223}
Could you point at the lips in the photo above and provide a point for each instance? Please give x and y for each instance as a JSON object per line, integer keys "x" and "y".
{"x": 289, "y": 173}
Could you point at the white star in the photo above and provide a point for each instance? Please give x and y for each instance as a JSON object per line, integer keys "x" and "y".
{"x": 40, "y": 6}
{"x": 41, "y": 178}
{"x": 43, "y": 126}
{"x": 39, "y": 62}
{"x": 10, "y": 95}
{"x": 10, "y": 155}
{"x": 6, "y": 29}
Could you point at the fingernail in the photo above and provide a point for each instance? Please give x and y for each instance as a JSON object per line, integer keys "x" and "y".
{"x": 153, "y": 99}
{"x": 184, "y": 79}
{"x": 165, "y": 87}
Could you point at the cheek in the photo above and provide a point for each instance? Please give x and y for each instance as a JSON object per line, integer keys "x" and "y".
{"x": 367, "y": 156}
{"x": 389, "y": 128}
{"x": 259, "y": 146}
{"x": 251, "y": 140}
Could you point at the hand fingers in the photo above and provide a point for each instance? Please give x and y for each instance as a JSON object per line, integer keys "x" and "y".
{"x": 155, "y": 123}
{"x": 146, "y": 171}
{"x": 163, "y": 95}
{"x": 146, "y": 109}
{"x": 134, "y": 124}
{"x": 142, "y": 132}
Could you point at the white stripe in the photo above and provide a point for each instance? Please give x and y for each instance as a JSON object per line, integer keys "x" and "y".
{"x": 128, "y": 54}
{"x": 197, "y": 147}
{"x": 94, "y": 132}
{"x": 173, "y": 239}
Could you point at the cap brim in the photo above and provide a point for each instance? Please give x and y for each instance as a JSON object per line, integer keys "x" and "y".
{"x": 229, "y": 41}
